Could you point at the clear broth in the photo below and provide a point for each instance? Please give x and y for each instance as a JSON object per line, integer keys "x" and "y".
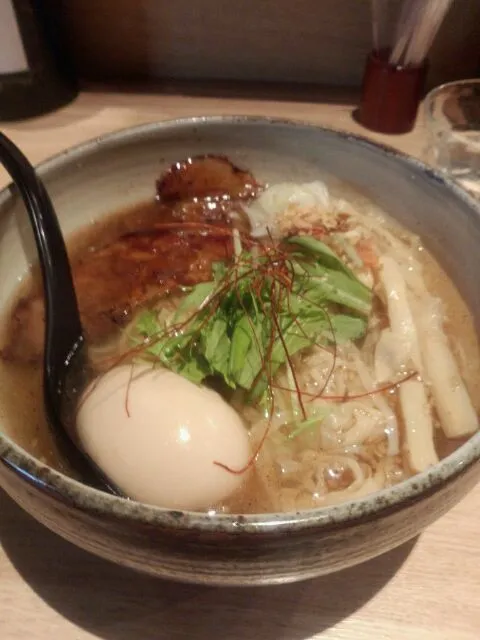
{"x": 21, "y": 396}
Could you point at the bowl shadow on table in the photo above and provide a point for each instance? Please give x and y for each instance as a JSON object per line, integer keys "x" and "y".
{"x": 119, "y": 604}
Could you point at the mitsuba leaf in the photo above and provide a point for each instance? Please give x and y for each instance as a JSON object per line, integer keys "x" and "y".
{"x": 240, "y": 345}
{"x": 321, "y": 252}
{"x": 346, "y": 328}
{"x": 196, "y": 299}
{"x": 291, "y": 336}
{"x": 195, "y": 369}
{"x": 234, "y": 329}
{"x": 255, "y": 356}
{"x": 216, "y": 347}
{"x": 147, "y": 323}
{"x": 335, "y": 286}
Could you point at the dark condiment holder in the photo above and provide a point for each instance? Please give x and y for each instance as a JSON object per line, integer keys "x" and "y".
{"x": 390, "y": 94}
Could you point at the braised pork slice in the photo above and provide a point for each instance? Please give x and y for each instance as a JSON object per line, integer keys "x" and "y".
{"x": 212, "y": 177}
{"x": 113, "y": 280}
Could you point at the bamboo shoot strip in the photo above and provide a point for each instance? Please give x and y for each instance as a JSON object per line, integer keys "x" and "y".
{"x": 399, "y": 312}
{"x": 413, "y": 396}
{"x": 453, "y": 404}
{"x": 418, "y": 422}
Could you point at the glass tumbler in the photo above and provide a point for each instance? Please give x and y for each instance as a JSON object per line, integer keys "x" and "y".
{"x": 452, "y": 117}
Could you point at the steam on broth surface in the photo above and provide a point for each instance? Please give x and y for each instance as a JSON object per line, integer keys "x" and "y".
{"x": 303, "y": 313}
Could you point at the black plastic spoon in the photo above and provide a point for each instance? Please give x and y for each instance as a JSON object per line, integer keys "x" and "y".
{"x": 64, "y": 339}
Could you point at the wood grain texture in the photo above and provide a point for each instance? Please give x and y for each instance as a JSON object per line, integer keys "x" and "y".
{"x": 273, "y": 40}
{"x": 427, "y": 590}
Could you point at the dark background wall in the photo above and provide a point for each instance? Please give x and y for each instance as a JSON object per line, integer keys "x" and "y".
{"x": 322, "y": 41}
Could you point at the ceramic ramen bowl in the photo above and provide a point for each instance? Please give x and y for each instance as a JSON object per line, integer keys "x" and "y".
{"x": 112, "y": 172}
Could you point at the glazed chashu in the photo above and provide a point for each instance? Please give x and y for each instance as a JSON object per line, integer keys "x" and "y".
{"x": 177, "y": 249}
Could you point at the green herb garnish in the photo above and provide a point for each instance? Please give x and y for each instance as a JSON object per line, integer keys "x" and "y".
{"x": 255, "y": 314}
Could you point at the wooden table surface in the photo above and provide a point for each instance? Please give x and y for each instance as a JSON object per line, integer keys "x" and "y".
{"x": 426, "y": 590}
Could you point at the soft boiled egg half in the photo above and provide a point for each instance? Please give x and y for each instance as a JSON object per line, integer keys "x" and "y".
{"x": 158, "y": 437}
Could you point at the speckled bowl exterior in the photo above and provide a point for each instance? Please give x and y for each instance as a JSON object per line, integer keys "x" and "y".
{"x": 114, "y": 171}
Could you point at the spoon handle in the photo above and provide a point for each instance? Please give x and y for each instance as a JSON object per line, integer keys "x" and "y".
{"x": 64, "y": 329}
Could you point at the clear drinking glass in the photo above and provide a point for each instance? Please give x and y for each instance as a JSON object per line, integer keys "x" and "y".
{"x": 452, "y": 113}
